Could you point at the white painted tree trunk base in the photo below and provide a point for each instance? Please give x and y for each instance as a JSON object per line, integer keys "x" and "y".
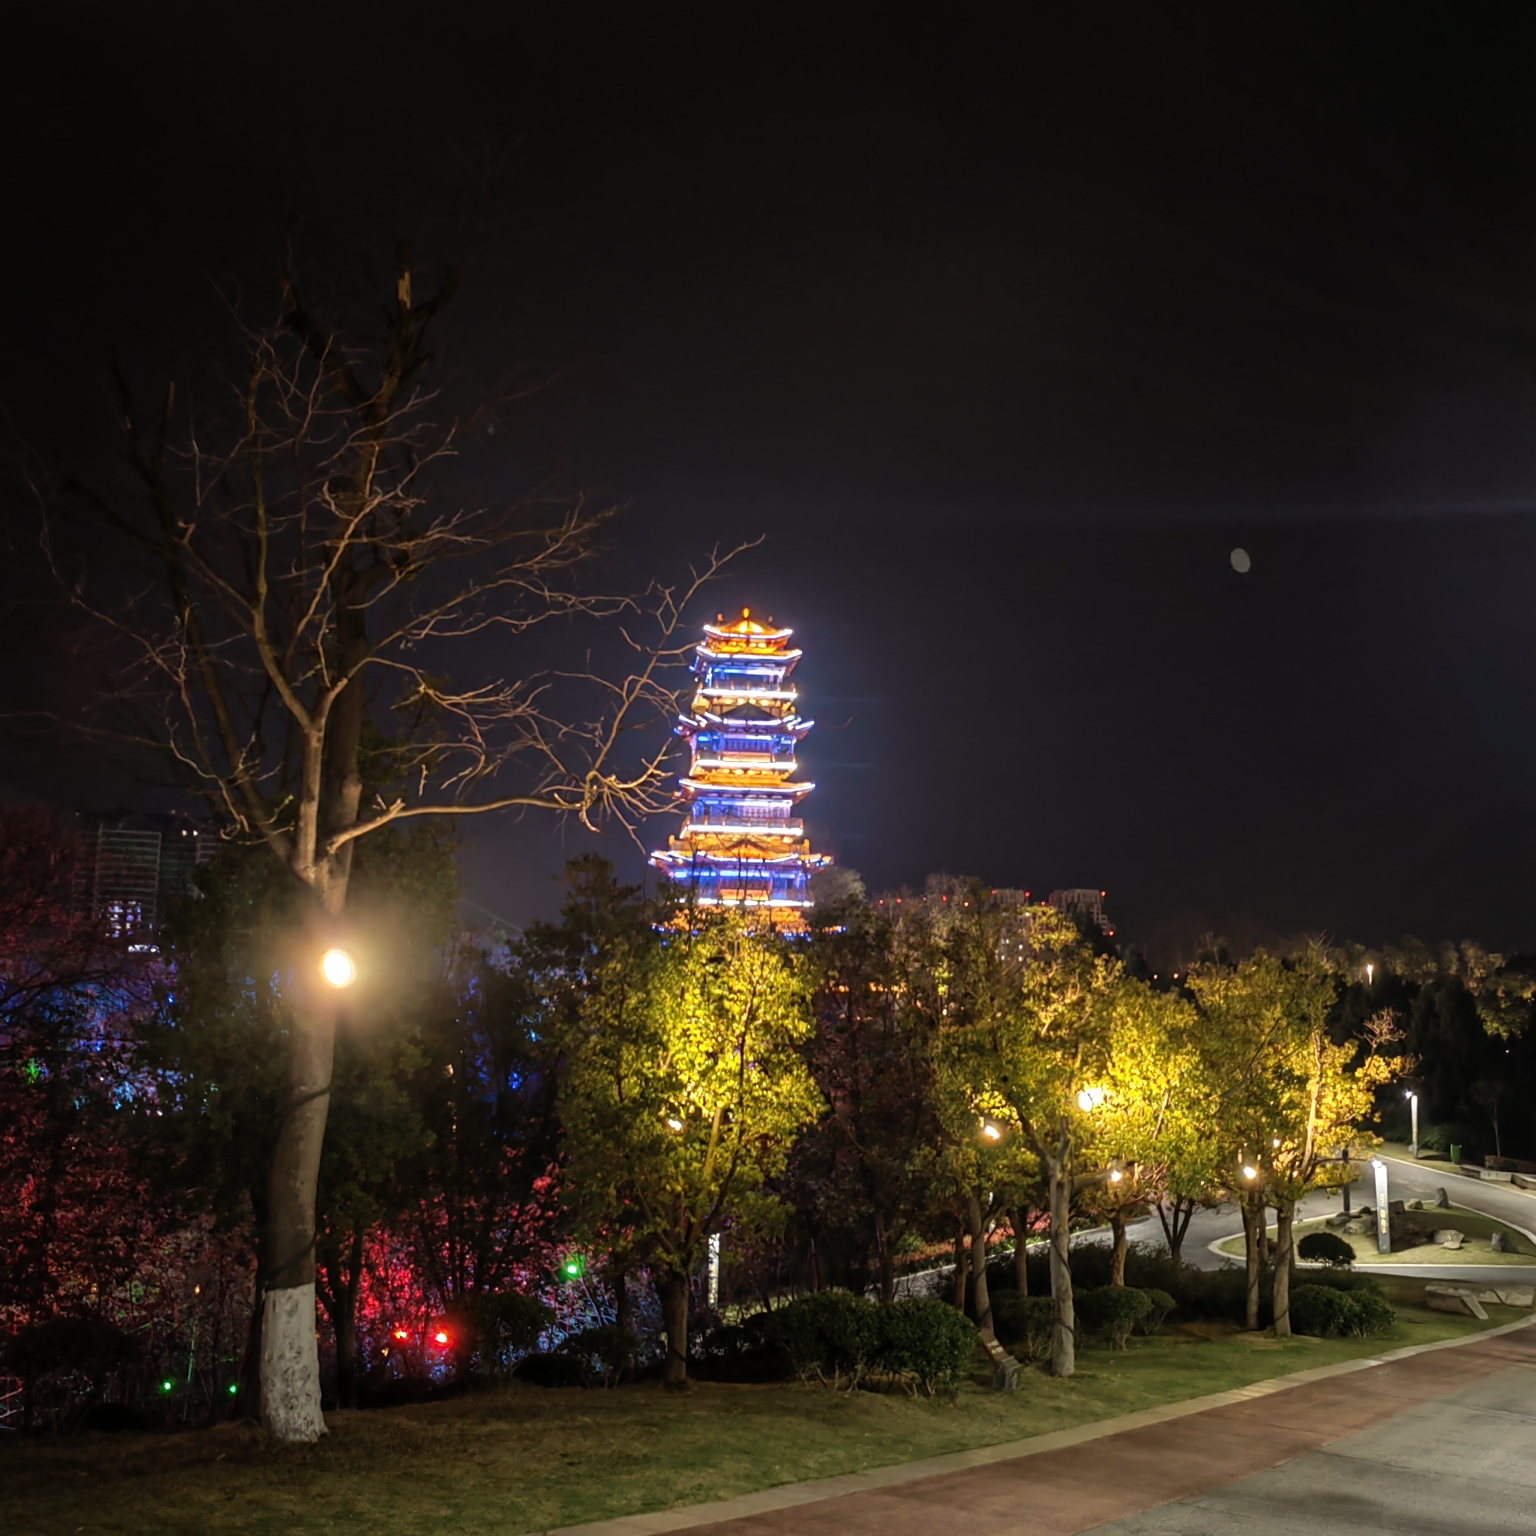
{"x": 290, "y": 1366}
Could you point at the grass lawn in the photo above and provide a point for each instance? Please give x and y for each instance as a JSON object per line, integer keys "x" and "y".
{"x": 1478, "y": 1249}
{"x": 524, "y": 1458}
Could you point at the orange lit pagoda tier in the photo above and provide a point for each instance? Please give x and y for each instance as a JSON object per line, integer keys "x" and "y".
{"x": 741, "y": 844}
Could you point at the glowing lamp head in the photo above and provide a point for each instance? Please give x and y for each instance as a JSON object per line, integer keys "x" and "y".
{"x": 574, "y": 1267}
{"x": 673, "y": 1123}
{"x": 167, "y": 1386}
{"x": 338, "y": 968}
{"x": 1089, "y": 1099}
{"x": 440, "y": 1337}
{"x": 1115, "y": 1175}
{"x": 233, "y": 1388}
{"x": 1250, "y": 1172}
{"x": 991, "y": 1130}
{"x": 400, "y": 1333}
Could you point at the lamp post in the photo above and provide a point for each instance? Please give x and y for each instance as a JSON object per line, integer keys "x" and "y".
{"x": 1413, "y": 1110}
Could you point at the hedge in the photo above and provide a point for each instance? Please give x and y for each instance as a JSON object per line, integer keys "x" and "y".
{"x": 1024, "y": 1323}
{"x": 1325, "y": 1248}
{"x": 836, "y": 1336}
{"x": 1326, "y": 1312}
{"x": 1112, "y": 1311}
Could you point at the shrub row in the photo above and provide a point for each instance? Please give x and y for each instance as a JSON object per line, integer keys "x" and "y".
{"x": 596, "y": 1357}
{"x": 1211, "y": 1296}
{"x": 1328, "y": 1313}
{"x": 839, "y": 1337}
{"x": 1111, "y": 1312}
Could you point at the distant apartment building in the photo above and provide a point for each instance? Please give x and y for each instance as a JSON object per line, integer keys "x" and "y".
{"x": 1083, "y": 903}
{"x": 136, "y": 867}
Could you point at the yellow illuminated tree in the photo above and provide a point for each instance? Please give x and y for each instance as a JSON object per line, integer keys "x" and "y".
{"x": 684, "y": 1090}
{"x": 1029, "y": 1020}
{"x": 1285, "y": 1100}
{"x": 1149, "y": 1119}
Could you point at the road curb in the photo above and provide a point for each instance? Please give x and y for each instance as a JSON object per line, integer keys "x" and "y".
{"x": 790, "y": 1495}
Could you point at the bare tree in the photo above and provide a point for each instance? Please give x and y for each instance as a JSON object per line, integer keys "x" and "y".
{"x": 303, "y": 578}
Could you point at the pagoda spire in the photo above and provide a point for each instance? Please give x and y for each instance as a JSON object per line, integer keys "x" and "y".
{"x": 741, "y": 843}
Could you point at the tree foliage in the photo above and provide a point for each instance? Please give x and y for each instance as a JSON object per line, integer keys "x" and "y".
{"x": 683, "y": 1091}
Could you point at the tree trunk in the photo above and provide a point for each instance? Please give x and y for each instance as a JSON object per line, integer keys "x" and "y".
{"x": 1064, "y": 1321}
{"x": 621, "y": 1312}
{"x": 1021, "y": 1249}
{"x": 887, "y": 1265}
{"x": 674, "y": 1318}
{"x": 290, "y": 1360}
{"x": 981, "y": 1297}
{"x": 346, "y": 1326}
{"x": 250, "y": 1364}
{"x": 1117, "y": 1250}
{"x": 1252, "y": 1221}
{"x": 1285, "y": 1215}
{"x": 962, "y": 1269}
{"x": 1175, "y": 1216}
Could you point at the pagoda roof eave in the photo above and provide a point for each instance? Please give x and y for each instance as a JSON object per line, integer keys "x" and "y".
{"x": 746, "y": 791}
{"x": 731, "y": 653}
{"x": 784, "y": 725}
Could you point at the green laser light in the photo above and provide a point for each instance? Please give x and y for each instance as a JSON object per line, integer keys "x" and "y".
{"x": 167, "y": 1386}
{"x": 233, "y": 1388}
{"x": 574, "y": 1267}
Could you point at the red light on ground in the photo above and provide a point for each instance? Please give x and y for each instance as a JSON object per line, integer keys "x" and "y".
{"x": 440, "y": 1336}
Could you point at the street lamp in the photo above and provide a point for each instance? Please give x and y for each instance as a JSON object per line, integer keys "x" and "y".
{"x": 1089, "y": 1099}
{"x": 338, "y": 968}
{"x": 1370, "y": 973}
{"x": 1413, "y": 1109}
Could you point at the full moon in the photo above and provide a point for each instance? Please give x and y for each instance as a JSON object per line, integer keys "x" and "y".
{"x": 1240, "y": 561}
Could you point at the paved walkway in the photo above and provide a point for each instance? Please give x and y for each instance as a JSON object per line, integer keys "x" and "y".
{"x": 1354, "y": 1450}
{"x": 1455, "y": 1466}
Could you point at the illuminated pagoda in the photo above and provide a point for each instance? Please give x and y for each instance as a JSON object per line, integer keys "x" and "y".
{"x": 742, "y": 844}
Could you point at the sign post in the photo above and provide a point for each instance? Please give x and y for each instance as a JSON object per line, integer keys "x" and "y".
{"x": 1383, "y": 1219}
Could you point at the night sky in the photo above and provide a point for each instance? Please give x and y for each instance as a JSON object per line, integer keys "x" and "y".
{"x": 1006, "y": 327}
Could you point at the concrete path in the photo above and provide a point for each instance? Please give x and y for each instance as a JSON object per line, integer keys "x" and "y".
{"x": 1460, "y": 1464}
{"x": 1432, "y": 1439}
{"x": 1185, "y": 1461}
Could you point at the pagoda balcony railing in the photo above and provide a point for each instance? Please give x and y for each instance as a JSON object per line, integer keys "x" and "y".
{"x": 736, "y": 758}
{"x": 719, "y": 822}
